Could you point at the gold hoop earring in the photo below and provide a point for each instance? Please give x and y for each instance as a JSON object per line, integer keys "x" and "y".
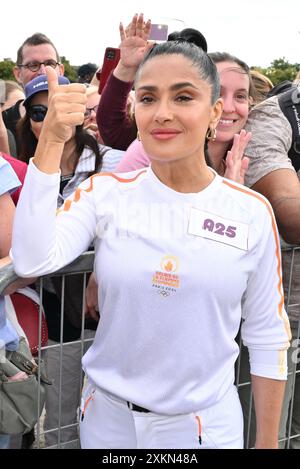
{"x": 138, "y": 136}
{"x": 211, "y": 134}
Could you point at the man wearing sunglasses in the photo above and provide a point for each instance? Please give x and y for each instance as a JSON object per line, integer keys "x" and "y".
{"x": 33, "y": 56}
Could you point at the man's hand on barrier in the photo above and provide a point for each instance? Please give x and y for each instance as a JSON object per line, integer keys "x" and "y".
{"x": 91, "y": 299}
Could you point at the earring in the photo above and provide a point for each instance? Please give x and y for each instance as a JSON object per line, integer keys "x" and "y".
{"x": 138, "y": 136}
{"x": 211, "y": 134}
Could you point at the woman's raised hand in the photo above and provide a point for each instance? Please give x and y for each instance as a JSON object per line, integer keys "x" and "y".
{"x": 134, "y": 41}
{"x": 236, "y": 163}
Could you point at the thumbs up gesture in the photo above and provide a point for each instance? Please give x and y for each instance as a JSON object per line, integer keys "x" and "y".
{"x": 66, "y": 108}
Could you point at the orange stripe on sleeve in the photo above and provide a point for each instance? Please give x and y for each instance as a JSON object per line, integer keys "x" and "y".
{"x": 67, "y": 205}
{"x": 277, "y": 252}
{"x": 199, "y": 429}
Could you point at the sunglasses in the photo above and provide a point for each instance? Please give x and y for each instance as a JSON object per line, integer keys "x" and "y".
{"x": 37, "y": 112}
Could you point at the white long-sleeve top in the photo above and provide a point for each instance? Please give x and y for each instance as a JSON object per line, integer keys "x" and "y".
{"x": 176, "y": 272}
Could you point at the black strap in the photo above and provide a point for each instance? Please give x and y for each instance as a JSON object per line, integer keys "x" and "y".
{"x": 24, "y": 364}
{"x": 289, "y": 103}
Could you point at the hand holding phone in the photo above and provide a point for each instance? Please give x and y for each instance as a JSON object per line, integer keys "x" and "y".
{"x": 110, "y": 61}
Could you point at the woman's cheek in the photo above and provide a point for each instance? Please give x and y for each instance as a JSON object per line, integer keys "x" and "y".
{"x": 244, "y": 112}
{"x": 36, "y": 128}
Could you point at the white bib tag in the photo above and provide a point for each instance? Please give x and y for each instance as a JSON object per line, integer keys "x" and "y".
{"x": 211, "y": 226}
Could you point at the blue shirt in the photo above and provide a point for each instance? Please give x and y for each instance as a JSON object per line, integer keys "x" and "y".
{"x": 8, "y": 183}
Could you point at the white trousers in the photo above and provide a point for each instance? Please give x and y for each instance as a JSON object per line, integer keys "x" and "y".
{"x": 106, "y": 422}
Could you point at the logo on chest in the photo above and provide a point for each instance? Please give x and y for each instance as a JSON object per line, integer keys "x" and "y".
{"x": 166, "y": 281}
{"x": 214, "y": 227}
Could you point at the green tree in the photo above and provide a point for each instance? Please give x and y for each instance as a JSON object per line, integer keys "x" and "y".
{"x": 70, "y": 71}
{"x": 6, "y": 70}
{"x": 280, "y": 70}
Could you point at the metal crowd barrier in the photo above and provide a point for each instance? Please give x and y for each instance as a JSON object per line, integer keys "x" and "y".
{"x": 84, "y": 265}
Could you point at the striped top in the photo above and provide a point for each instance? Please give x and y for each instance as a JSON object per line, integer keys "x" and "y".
{"x": 86, "y": 165}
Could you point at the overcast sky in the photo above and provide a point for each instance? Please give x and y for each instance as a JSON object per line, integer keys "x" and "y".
{"x": 257, "y": 31}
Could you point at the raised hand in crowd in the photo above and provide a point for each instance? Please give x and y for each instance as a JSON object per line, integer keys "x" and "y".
{"x": 134, "y": 45}
{"x": 236, "y": 163}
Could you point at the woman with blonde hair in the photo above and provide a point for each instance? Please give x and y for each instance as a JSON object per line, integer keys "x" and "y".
{"x": 262, "y": 84}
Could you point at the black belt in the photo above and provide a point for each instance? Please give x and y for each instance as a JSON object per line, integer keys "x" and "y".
{"x": 137, "y": 408}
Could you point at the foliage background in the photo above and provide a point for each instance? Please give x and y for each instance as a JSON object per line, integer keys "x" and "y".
{"x": 279, "y": 70}
{"x": 6, "y": 70}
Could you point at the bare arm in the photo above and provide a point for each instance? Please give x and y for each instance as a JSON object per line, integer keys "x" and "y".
{"x": 4, "y": 146}
{"x": 20, "y": 283}
{"x": 268, "y": 397}
{"x": 116, "y": 126}
{"x": 7, "y": 210}
{"x": 282, "y": 189}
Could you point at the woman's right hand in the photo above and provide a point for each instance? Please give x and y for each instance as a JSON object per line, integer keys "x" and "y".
{"x": 66, "y": 108}
{"x": 134, "y": 45}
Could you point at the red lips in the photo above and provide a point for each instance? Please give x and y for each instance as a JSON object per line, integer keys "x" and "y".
{"x": 165, "y": 131}
{"x": 165, "y": 134}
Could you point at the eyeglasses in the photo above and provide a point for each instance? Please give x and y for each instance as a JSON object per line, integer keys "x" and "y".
{"x": 89, "y": 110}
{"x": 34, "y": 66}
{"x": 37, "y": 112}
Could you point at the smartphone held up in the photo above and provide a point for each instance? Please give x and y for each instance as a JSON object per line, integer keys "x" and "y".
{"x": 159, "y": 32}
{"x": 110, "y": 61}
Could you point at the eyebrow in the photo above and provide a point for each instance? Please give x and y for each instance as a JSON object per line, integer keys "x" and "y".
{"x": 240, "y": 89}
{"x": 175, "y": 87}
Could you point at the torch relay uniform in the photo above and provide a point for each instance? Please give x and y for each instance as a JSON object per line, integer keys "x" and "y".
{"x": 176, "y": 273}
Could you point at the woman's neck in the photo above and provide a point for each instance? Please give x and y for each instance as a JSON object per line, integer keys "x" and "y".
{"x": 69, "y": 158}
{"x": 217, "y": 152}
{"x": 188, "y": 175}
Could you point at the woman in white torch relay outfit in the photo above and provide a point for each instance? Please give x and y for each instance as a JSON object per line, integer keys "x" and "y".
{"x": 181, "y": 256}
